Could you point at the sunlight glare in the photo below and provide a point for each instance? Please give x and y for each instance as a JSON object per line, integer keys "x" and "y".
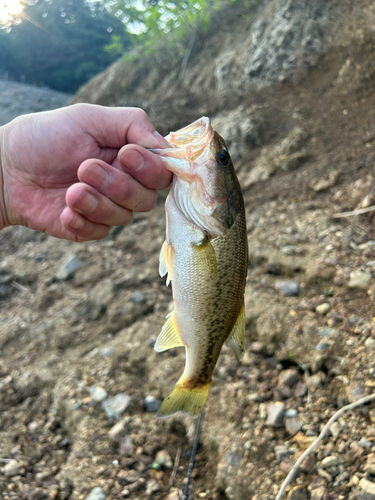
{"x": 9, "y": 9}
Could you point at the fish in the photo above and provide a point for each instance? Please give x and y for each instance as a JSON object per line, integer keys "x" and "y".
{"x": 205, "y": 257}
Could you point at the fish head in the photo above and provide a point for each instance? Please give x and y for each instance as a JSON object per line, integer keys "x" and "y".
{"x": 205, "y": 186}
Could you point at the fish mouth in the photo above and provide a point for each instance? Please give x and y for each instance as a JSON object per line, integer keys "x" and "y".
{"x": 187, "y": 145}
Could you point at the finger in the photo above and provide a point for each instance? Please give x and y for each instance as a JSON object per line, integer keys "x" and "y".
{"x": 114, "y": 127}
{"x": 117, "y": 185}
{"x": 144, "y": 166}
{"x": 83, "y": 229}
{"x": 96, "y": 207}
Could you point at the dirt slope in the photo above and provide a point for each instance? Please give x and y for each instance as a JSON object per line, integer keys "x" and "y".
{"x": 305, "y": 151}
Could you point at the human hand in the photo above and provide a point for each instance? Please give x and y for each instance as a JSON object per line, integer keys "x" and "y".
{"x": 77, "y": 171}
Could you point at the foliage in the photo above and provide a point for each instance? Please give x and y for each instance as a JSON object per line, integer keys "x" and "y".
{"x": 60, "y": 43}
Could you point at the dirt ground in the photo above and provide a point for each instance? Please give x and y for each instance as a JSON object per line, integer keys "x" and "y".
{"x": 68, "y": 346}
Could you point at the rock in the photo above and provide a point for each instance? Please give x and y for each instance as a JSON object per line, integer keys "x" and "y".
{"x": 359, "y": 279}
{"x": 326, "y": 182}
{"x": 281, "y": 452}
{"x": 317, "y": 493}
{"x": 355, "y": 391}
{"x": 152, "y": 405}
{"x": 291, "y": 413}
{"x": 233, "y": 458}
{"x": 174, "y": 494}
{"x": 138, "y": 297}
{"x": 330, "y": 461}
{"x": 118, "y": 431}
{"x": 115, "y": 407}
{"x": 162, "y": 459}
{"x": 292, "y": 426}
{"x": 315, "y": 381}
{"x": 300, "y": 390}
{"x": 299, "y": 493}
{"x": 152, "y": 486}
{"x": 68, "y": 268}
{"x": 11, "y": 468}
{"x": 367, "y": 488}
{"x": 275, "y": 414}
{"x": 288, "y": 377}
{"x": 288, "y": 288}
{"x": 95, "y": 494}
{"x": 98, "y": 394}
{"x": 322, "y": 309}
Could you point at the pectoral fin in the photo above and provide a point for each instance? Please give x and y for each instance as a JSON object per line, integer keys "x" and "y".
{"x": 165, "y": 261}
{"x": 236, "y": 339}
{"x": 169, "y": 336}
{"x": 205, "y": 258}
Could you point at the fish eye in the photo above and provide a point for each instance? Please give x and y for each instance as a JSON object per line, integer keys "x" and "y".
{"x": 224, "y": 157}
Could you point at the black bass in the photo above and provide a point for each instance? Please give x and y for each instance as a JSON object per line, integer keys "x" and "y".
{"x": 205, "y": 256}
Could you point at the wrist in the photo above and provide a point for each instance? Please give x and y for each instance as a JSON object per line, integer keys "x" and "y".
{"x": 3, "y": 216}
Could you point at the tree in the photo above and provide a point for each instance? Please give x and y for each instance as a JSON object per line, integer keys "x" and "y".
{"x": 60, "y": 43}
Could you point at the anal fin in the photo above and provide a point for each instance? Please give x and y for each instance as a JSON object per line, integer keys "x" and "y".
{"x": 236, "y": 339}
{"x": 169, "y": 336}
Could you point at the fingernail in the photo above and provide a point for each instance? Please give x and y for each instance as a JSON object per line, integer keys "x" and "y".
{"x": 78, "y": 222}
{"x": 86, "y": 203}
{"x": 96, "y": 176}
{"x": 132, "y": 160}
{"x": 163, "y": 143}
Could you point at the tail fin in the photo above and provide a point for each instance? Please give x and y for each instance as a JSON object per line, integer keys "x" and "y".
{"x": 189, "y": 401}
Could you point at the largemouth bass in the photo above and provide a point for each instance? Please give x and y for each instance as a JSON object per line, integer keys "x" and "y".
{"x": 205, "y": 256}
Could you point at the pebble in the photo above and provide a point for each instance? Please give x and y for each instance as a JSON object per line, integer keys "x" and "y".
{"x": 317, "y": 493}
{"x": 288, "y": 288}
{"x": 355, "y": 391}
{"x": 367, "y": 487}
{"x": 288, "y": 377}
{"x": 98, "y": 394}
{"x": 330, "y": 461}
{"x": 152, "y": 405}
{"x": 275, "y": 414}
{"x": 115, "y": 407}
{"x": 163, "y": 459}
{"x": 68, "y": 268}
{"x": 299, "y": 493}
{"x": 292, "y": 426}
{"x": 291, "y": 413}
{"x": 359, "y": 279}
{"x": 233, "y": 458}
{"x": 138, "y": 297}
{"x": 11, "y": 468}
{"x": 322, "y": 309}
{"x": 315, "y": 381}
{"x": 96, "y": 494}
{"x": 300, "y": 390}
{"x": 173, "y": 494}
{"x": 118, "y": 431}
{"x": 281, "y": 452}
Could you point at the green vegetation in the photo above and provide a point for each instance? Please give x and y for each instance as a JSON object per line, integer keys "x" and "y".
{"x": 60, "y": 43}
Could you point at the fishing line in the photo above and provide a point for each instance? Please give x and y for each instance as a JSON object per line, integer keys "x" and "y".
{"x": 192, "y": 456}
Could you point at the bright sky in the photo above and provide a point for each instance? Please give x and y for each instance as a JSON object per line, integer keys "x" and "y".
{"x": 8, "y": 9}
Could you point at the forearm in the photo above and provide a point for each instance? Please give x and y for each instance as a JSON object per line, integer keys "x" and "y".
{"x": 3, "y": 216}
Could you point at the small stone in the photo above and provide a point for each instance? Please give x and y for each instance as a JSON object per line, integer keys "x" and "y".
{"x": 330, "y": 461}
{"x": 106, "y": 351}
{"x": 292, "y": 426}
{"x": 95, "y": 494}
{"x": 163, "y": 459}
{"x": 355, "y": 391}
{"x": 115, "y": 407}
{"x": 370, "y": 343}
{"x": 118, "y": 431}
{"x": 335, "y": 429}
{"x": 275, "y": 414}
{"x": 32, "y": 427}
{"x": 300, "y": 390}
{"x": 322, "y": 309}
{"x": 359, "y": 279}
{"x": 281, "y": 452}
{"x": 368, "y": 487}
{"x": 299, "y": 493}
{"x": 288, "y": 377}
{"x": 152, "y": 405}
{"x": 317, "y": 493}
{"x": 152, "y": 486}
{"x": 315, "y": 381}
{"x": 364, "y": 443}
{"x": 138, "y": 297}
{"x": 233, "y": 458}
{"x": 11, "y": 468}
{"x": 68, "y": 268}
{"x": 98, "y": 394}
{"x": 291, "y": 413}
{"x": 288, "y": 288}
{"x": 173, "y": 494}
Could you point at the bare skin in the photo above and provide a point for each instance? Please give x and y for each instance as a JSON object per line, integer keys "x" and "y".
{"x": 77, "y": 171}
